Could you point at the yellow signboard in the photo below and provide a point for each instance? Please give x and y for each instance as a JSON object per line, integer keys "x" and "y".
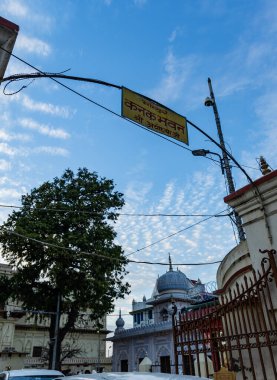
{"x": 153, "y": 115}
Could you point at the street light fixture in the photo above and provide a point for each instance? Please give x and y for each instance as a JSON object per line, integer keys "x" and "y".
{"x": 200, "y": 152}
{"x": 204, "y": 153}
{"x": 208, "y": 102}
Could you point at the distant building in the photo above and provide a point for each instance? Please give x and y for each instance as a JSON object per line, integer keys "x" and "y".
{"x": 151, "y": 334}
{"x": 24, "y": 340}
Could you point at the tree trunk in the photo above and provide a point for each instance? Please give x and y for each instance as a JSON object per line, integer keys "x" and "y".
{"x": 59, "y": 335}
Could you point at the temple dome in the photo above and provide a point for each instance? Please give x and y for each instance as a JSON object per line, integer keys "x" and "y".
{"x": 173, "y": 280}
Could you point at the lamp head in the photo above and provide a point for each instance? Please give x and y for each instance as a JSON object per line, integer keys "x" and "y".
{"x": 200, "y": 152}
{"x": 208, "y": 102}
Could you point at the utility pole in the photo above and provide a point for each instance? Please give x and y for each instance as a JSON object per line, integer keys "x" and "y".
{"x": 56, "y": 336}
{"x": 98, "y": 369}
{"x": 226, "y": 164}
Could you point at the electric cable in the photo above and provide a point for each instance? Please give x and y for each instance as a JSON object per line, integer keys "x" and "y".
{"x": 119, "y": 214}
{"x": 41, "y": 74}
{"x": 230, "y": 156}
{"x": 169, "y": 236}
{"x": 123, "y": 260}
{"x": 94, "y": 102}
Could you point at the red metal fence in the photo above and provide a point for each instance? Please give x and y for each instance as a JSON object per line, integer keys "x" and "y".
{"x": 240, "y": 333}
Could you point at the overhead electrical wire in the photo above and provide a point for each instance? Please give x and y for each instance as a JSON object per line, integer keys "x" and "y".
{"x": 166, "y": 237}
{"x": 46, "y": 75}
{"x": 92, "y": 101}
{"x": 46, "y": 244}
{"x": 118, "y": 213}
{"x": 41, "y": 74}
{"x": 52, "y": 76}
{"x": 169, "y": 236}
{"x": 256, "y": 191}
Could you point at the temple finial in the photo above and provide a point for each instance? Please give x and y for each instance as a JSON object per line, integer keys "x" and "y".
{"x": 264, "y": 167}
{"x": 170, "y": 263}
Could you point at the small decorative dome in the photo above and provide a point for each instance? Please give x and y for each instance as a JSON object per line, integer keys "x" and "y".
{"x": 119, "y": 323}
{"x": 144, "y": 299}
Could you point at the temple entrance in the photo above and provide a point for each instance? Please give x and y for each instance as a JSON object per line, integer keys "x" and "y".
{"x": 240, "y": 333}
{"x": 165, "y": 364}
{"x": 124, "y": 365}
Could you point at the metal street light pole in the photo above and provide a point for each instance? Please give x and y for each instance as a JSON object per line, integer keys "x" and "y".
{"x": 204, "y": 152}
{"x": 210, "y": 101}
{"x": 98, "y": 353}
{"x": 173, "y": 311}
{"x": 56, "y": 336}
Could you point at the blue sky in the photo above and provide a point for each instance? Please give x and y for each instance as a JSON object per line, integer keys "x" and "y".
{"x": 165, "y": 49}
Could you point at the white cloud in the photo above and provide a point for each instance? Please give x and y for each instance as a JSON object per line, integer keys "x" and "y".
{"x": 167, "y": 198}
{"x": 5, "y": 136}
{"x": 48, "y": 108}
{"x": 44, "y": 129}
{"x": 256, "y": 53}
{"x": 21, "y": 151}
{"x": 5, "y": 165}
{"x": 9, "y": 193}
{"x": 32, "y": 105}
{"x": 265, "y": 109}
{"x": 133, "y": 194}
{"x": 15, "y": 67}
{"x": 53, "y": 151}
{"x": 11, "y": 151}
{"x": 33, "y": 45}
{"x": 177, "y": 72}
{"x": 4, "y": 148}
{"x": 20, "y": 9}
{"x": 174, "y": 34}
{"x": 15, "y": 8}
{"x": 140, "y": 3}
{"x": 139, "y": 232}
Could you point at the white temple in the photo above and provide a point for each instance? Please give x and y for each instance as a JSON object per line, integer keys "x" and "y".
{"x": 151, "y": 334}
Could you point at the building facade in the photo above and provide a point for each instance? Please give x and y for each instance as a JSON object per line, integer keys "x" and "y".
{"x": 152, "y": 334}
{"x": 239, "y": 333}
{"x": 24, "y": 340}
{"x": 245, "y": 267}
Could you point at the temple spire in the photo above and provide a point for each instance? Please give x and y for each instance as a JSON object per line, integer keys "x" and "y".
{"x": 170, "y": 263}
{"x": 264, "y": 167}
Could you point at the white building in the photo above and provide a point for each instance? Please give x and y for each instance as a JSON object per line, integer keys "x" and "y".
{"x": 256, "y": 204}
{"x": 151, "y": 335}
{"x": 24, "y": 340}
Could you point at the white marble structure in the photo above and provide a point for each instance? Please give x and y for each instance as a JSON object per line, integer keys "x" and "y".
{"x": 256, "y": 204}
{"x": 151, "y": 334}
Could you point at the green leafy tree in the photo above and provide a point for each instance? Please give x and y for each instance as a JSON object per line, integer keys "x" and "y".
{"x": 74, "y": 216}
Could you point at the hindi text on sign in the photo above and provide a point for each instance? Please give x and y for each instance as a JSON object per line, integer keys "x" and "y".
{"x": 146, "y": 112}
